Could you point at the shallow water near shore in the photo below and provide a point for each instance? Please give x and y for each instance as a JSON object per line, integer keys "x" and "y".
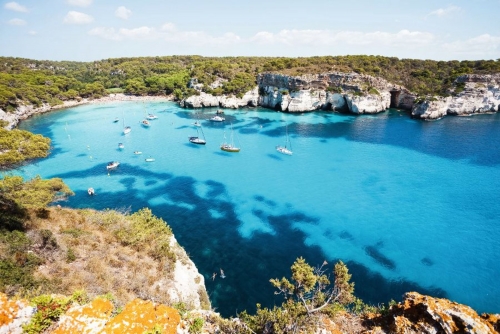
{"x": 407, "y": 205}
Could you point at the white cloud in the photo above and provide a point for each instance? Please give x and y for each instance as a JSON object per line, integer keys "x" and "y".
{"x": 296, "y": 37}
{"x": 483, "y": 46}
{"x": 445, "y": 11}
{"x": 80, "y": 3}
{"x": 77, "y": 18}
{"x": 167, "y": 32}
{"x": 106, "y": 33}
{"x": 17, "y": 22}
{"x": 168, "y": 27}
{"x": 123, "y": 12}
{"x": 16, "y": 7}
{"x": 139, "y": 33}
{"x": 32, "y": 32}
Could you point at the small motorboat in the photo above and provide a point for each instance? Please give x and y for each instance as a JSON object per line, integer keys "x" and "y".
{"x": 145, "y": 123}
{"x": 116, "y": 120}
{"x": 217, "y": 118}
{"x": 149, "y": 159}
{"x": 137, "y": 152}
{"x": 127, "y": 129}
{"x": 197, "y": 123}
{"x": 151, "y": 117}
{"x": 112, "y": 165}
{"x": 121, "y": 146}
{"x": 91, "y": 191}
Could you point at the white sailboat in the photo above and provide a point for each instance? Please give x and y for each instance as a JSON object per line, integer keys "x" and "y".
{"x": 197, "y": 139}
{"x": 229, "y": 147}
{"x": 126, "y": 129}
{"x": 287, "y": 149}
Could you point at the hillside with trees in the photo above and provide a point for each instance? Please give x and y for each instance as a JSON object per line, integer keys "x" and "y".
{"x": 42, "y": 81}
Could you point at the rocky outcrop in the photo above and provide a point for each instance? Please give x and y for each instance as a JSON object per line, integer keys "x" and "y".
{"x": 350, "y": 92}
{"x": 428, "y": 315}
{"x": 204, "y": 100}
{"x": 14, "y": 314}
{"x": 472, "y": 94}
{"x": 187, "y": 285}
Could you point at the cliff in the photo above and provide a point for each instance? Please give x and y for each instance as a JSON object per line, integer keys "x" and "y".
{"x": 349, "y": 92}
{"x": 472, "y": 94}
{"x": 203, "y": 100}
{"x": 359, "y": 94}
{"x": 104, "y": 252}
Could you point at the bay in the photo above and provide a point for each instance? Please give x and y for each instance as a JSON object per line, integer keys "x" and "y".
{"x": 407, "y": 205}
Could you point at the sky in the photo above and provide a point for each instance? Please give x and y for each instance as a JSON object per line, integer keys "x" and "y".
{"x": 88, "y": 30}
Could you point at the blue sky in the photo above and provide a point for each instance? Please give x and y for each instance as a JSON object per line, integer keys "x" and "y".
{"x": 87, "y": 30}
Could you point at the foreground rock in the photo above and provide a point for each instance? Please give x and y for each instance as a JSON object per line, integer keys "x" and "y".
{"x": 424, "y": 314}
{"x": 479, "y": 94}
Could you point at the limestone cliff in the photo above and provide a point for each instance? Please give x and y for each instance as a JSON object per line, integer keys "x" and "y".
{"x": 472, "y": 94}
{"x": 359, "y": 94}
{"x": 350, "y": 92}
{"x": 347, "y": 92}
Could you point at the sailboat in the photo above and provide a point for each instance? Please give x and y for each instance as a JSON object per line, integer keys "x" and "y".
{"x": 229, "y": 147}
{"x": 126, "y": 129}
{"x": 287, "y": 149}
{"x": 197, "y": 139}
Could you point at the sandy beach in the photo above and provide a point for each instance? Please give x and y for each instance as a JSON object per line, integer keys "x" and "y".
{"x": 24, "y": 112}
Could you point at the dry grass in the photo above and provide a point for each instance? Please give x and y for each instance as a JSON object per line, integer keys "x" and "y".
{"x": 106, "y": 259}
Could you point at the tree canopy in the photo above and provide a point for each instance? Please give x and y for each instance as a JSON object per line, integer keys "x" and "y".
{"x": 17, "y": 146}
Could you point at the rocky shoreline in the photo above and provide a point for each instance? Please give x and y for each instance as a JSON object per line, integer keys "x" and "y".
{"x": 26, "y": 111}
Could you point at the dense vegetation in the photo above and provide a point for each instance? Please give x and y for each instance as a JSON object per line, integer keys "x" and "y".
{"x": 52, "y": 82}
{"x": 17, "y": 146}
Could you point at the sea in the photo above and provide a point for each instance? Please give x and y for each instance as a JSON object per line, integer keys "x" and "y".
{"x": 407, "y": 205}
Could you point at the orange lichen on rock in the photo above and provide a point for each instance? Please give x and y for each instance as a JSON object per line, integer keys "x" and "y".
{"x": 139, "y": 316}
{"x": 89, "y": 318}
{"x": 424, "y": 314}
{"x": 8, "y": 310}
{"x": 13, "y": 314}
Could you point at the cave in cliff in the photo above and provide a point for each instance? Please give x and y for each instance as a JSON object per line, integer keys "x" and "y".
{"x": 394, "y": 98}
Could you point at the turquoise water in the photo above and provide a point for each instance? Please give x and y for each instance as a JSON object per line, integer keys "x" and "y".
{"x": 407, "y": 205}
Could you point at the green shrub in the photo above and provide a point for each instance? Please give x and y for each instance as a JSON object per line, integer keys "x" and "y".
{"x": 70, "y": 255}
{"x": 196, "y": 326}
